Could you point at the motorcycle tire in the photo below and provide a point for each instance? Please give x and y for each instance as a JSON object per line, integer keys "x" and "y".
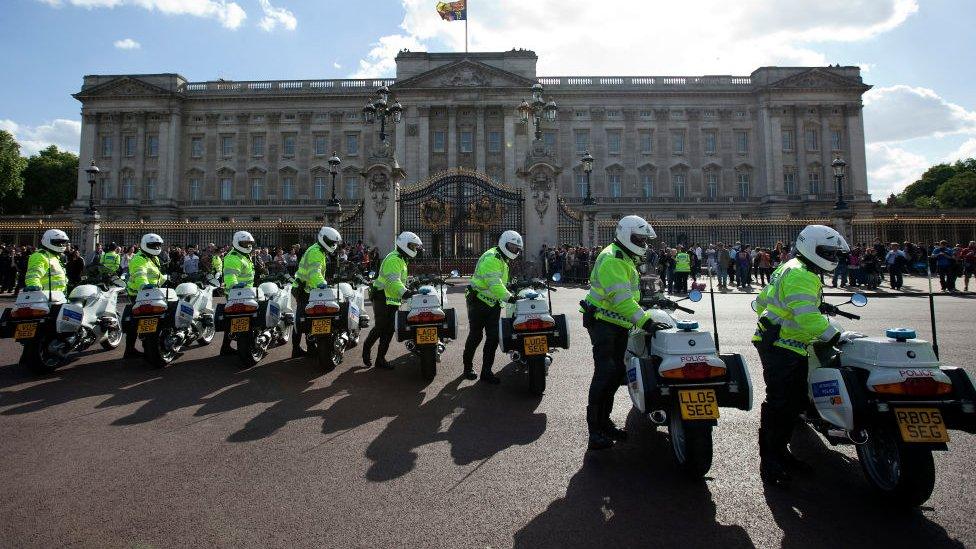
{"x": 37, "y": 358}
{"x": 691, "y": 445}
{"x": 326, "y": 355}
{"x": 897, "y": 472}
{"x": 248, "y": 351}
{"x": 113, "y": 338}
{"x": 428, "y": 361}
{"x": 156, "y": 355}
{"x": 207, "y": 335}
{"x": 537, "y": 375}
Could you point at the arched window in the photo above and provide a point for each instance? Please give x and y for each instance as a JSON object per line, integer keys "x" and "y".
{"x": 711, "y": 184}
{"x": 150, "y": 188}
{"x": 647, "y": 184}
{"x": 678, "y": 185}
{"x": 744, "y": 190}
{"x": 320, "y": 188}
{"x": 613, "y": 183}
{"x": 352, "y": 187}
{"x": 257, "y": 188}
{"x": 288, "y": 187}
{"x": 226, "y": 188}
{"x": 195, "y": 189}
{"x": 128, "y": 187}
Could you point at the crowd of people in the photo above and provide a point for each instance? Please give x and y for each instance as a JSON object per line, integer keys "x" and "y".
{"x": 745, "y": 266}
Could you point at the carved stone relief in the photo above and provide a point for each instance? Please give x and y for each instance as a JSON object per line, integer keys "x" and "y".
{"x": 379, "y": 191}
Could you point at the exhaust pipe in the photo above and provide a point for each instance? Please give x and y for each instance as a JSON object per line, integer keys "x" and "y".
{"x": 516, "y": 356}
{"x": 659, "y": 417}
{"x": 861, "y": 437}
{"x": 411, "y": 345}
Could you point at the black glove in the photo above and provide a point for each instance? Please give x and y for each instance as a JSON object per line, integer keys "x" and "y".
{"x": 408, "y": 294}
{"x": 652, "y": 327}
{"x": 512, "y": 298}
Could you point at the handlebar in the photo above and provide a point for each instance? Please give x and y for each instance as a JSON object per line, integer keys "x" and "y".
{"x": 536, "y": 283}
{"x": 828, "y": 309}
{"x": 665, "y": 303}
{"x": 415, "y": 282}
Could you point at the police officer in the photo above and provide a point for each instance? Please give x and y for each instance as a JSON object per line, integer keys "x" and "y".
{"x": 238, "y": 272}
{"x": 111, "y": 260}
{"x": 389, "y": 290}
{"x": 314, "y": 269}
{"x": 682, "y": 268}
{"x": 44, "y": 268}
{"x": 611, "y": 309}
{"x": 484, "y": 297}
{"x": 144, "y": 268}
{"x": 789, "y": 321}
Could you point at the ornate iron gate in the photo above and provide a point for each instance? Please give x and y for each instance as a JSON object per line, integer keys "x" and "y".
{"x": 459, "y": 214}
{"x": 351, "y": 225}
{"x": 570, "y": 228}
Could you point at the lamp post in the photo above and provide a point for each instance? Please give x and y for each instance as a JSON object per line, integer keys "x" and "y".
{"x": 538, "y": 109}
{"x": 380, "y": 108}
{"x": 587, "y": 161}
{"x": 92, "y": 172}
{"x": 839, "y": 166}
{"x": 334, "y": 170}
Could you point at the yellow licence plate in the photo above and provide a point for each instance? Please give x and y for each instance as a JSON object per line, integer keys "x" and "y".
{"x": 240, "y": 324}
{"x": 698, "y": 404}
{"x": 321, "y": 326}
{"x": 921, "y": 425}
{"x": 26, "y": 330}
{"x": 426, "y": 335}
{"x": 536, "y": 345}
{"x": 147, "y": 325}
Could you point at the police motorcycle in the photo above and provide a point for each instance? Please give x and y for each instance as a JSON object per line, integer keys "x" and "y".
{"x": 171, "y": 317}
{"x": 258, "y": 318}
{"x": 424, "y": 323}
{"x": 50, "y": 326}
{"x": 528, "y": 331}
{"x": 892, "y": 399}
{"x": 677, "y": 377}
{"x": 334, "y": 316}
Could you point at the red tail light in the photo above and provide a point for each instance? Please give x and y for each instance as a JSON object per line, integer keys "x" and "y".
{"x": 148, "y": 309}
{"x": 534, "y": 325}
{"x": 915, "y": 386}
{"x": 28, "y": 312}
{"x": 426, "y": 316}
{"x": 694, "y": 370}
{"x": 240, "y": 308}
{"x": 319, "y": 310}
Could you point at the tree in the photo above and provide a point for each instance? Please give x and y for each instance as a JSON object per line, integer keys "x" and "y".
{"x": 11, "y": 169}
{"x": 928, "y": 183}
{"x": 927, "y": 203}
{"x": 50, "y": 181}
{"x": 958, "y": 192}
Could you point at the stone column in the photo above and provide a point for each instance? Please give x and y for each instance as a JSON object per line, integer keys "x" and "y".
{"x": 400, "y": 139}
{"x": 509, "y": 146}
{"x": 856, "y": 165}
{"x": 382, "y": 175}
{"x": 826, "y": 153}
{"x": 479, "y": 139}
{"x": 589, "y": 225}
{"x": 87, "y": 151}
{"x": 90, "y": 231}
{"x": 142, "y": 151}
{"x": 764, "y": 146}
{"x": 452, "y": 145}
{"x": 423, "y": 143}
{"x": 541, "y": 209}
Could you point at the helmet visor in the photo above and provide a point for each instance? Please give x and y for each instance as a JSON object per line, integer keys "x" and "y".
{"x": 414, "y": 247}
{"x": 154, "y": 245}
{"x": 513, "y": 248}
{"x": 639, "y": 240}
{"x": 830, "y": 253}
{"x": 59, "y": 242}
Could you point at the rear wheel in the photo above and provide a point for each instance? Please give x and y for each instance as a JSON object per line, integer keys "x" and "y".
{"x": 207, "y": 335}
{"x": 537, "y": 374}
{"x": 326, "y": 354}
{"x": 896, "y": 471}
{"x": 113, "y": 338}
{"x": 428, "y": 361}
{"x": 691, "y": 444}
{"x": 157, "y": 351}
{"x": 38, "y": 357}
{"x": 248, "y": 350}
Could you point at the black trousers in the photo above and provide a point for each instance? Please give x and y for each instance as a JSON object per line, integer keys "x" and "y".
{"x": 383, "y": 327}
{"x": 609, "y": 347}
{"x": 680, "y": 283}
{"x": 301, "y": 300}
{"x": 483, "y": 320}
{"x": 785, "y": 374}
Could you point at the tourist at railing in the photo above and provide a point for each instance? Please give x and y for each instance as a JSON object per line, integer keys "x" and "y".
{"x": 967, "y": 257}
{"x": 945, "y": 263}
{"x": 895, "y": 261}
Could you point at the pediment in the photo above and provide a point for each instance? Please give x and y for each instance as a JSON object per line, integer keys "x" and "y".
{"x": 817, "y": 79}
{"x": 123, "y": 86}
{"x": 465, "y": 73}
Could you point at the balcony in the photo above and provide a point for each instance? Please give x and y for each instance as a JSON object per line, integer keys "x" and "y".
{"x": 285, "y": 87}
{"x": 736, "y": 83}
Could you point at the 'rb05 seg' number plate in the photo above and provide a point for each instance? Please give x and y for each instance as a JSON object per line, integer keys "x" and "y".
{"x": 921, "y": 425}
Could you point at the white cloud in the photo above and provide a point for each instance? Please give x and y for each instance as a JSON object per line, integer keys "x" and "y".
{"x": 965, "y": 151}
{"x": 230, "y": 14}
{"x": 335, "y": 64}
{"x": 276, "y": 16}
{"x": 66, "y": 134}
{"x": 892, "y": 168}
{"x": 898, "y": 113}
{"x": 574, "y": 37}
{"x": 127, "y": 44}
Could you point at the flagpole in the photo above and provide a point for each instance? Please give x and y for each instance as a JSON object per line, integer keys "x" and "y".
{"x": 465, "y": 30}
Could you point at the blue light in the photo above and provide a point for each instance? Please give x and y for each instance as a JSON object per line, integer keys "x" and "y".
{"x": 900, "y": 334}
{"x": 425, "y": 290}
{"x": 687, "y": 325}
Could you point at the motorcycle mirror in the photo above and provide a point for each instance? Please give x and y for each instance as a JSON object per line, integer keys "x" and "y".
{"x": 859, "y": 300}
{"x": 557, "y": 277}
{"x": 372, "y": 274}
{"x": 755, "y": 306}
{"x": 455, "y": 273}
{"x": 695, "y": 296}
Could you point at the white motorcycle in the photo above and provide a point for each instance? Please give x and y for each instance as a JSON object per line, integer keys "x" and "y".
{"x": 528, "y": 331}
{"x": 891, "y": 398}
{"x": 334, "y": 317}
{"x": 677, "y": 377}
{"x": 425, "y": 323}
{"x": 51, "y": 327}
{"x": 170, "y": 320}
{"x": 258, "y": 319}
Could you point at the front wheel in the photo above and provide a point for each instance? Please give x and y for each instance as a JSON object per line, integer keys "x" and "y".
{"x": 38, "y": 357}
{"x": 326, "y": 354}
{"x": 248, "y": 350}
{"x": 537, "y": 375}
{"x": 156, "y": 349}
{"x": 113, "y": 338}
{"x": 428, "y": 361}
{"x": 207, "y": 335}
{"x": 896, "y": 471}
{"x": 691, "y": 444}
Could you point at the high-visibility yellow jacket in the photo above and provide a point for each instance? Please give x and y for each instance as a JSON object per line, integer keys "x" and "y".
{"x": 490, "y": 278}
{"x": 682, "y": 262}
{"x": 44, "y": 270}
{"x": 238, "y": 269}
{"x": 143, "y": 269}
{"x": 615, "y": 288}
{"x": 392, "y": 278}
{"x": 311, "y": 268}
{"x": 111, "y": 262}
{"x": 791, "y": 300}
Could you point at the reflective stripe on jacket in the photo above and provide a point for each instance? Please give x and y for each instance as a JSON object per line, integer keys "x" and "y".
{"x": 44, "y": 270}
{"x": 791, "y": 301}
{"x": 392, "y": 278}
{"x": 491, "y": 278}
{"x": 615, "y": 289}
{"x": 143, "y": 269}
{"x": 238, "y": 269}
{"x": 311, "y": 268}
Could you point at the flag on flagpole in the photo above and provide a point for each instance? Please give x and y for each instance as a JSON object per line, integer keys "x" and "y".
{"x": 453, "y": 11}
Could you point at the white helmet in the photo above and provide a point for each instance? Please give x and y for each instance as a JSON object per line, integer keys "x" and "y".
{"x": 510, "y": 243}
{"x": 329, "y": 239}
{"x": 243, "y": 242}
{"x": 820, "y": 245}
{"x": 634, "y": 233}
{"x": 409, "y": 243}
{"x": 55, "y": 240}
{"x": 151, "y": 243}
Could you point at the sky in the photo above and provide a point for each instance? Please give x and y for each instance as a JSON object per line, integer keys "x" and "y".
{"x": 917, "y": 54}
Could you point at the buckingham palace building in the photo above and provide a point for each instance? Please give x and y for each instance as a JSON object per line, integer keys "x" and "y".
{"x": 668, "y": 147}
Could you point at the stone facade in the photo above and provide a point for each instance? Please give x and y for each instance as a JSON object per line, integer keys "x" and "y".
{"x": 698, "y": 147}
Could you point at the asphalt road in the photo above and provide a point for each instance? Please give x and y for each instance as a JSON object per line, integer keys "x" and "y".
{"x": 109, "y": 453}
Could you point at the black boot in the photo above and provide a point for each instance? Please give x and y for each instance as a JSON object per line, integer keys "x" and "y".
{"x": 771, "y": 467}
{"x": 469, "y": 373}
{"x": 794, "y": 464}
{"x": 597, "y": 440}
{"x": 130, "y": 348}
{"x": 488, "y": 377}
{"x": 611, "y": 430}
{"x": 382, "y": 364}
{"x": 367, "y": 360}
{"x": 225, "y": 347}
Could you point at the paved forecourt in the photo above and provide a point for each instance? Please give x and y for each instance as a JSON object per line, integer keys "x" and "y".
{"x": 109, "y": 453}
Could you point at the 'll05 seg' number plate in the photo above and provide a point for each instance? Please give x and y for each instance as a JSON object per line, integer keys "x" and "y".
{"x": 321, "y": 326}
{"x": 26, "y": 330}
{"x": 240, "y": 324}
{"x": 536, "y": 345}
{"x": 698, "y": 404}
{"x": 921, "y": 425}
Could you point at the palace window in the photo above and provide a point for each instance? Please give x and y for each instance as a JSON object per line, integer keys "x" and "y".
{"x": 647, "y": 185}
{"x": 613, "y": 142}
{"x": 128, "y": 189}
{"x": 582, "y": 141}
{"x": 106, "y": 145}
{"x": 257, "y": 145}
{"x": 288, "y": 187}
{"x": 812, "y": 139}
{"x": 466, "y": 142}
{"x": 257, "y": 188}
{"x": 352, "y": 144}
{"x": 352, "y": 187}
{"x": 744, "y": 185}
{"x": 320, "y": 188}
{"x": 226, "y": 146}
{"x": 288, "y": 145}
{"x": 646, "y": 141}
{"x": 813, "y": 183}
{"x": 320, "y": 145}
{"x": 495, "y": 141}
{"x": 712, "y": 185}
{"x": 226, "y": 188}
{"x": 150, "y": 188}
{"x": 440, "y": 141}
{"x": 678, "y": 142}
{"x": 152, "y": 146}
{"x": 710, "y": 142}
{"x": 549, "y": 138}
{"x": 613, "y": 183}
{"x": 195, "y": 189}
{"x": 581, "y": 183}
{"x": 130, "y": 145}
{"x": 789, "y": 183}
{"x": 836, "y": 140}
{"x": 787, "y": 140}
{"x": 742, "y": 142}
{"x": 106, "y": 188}
{"x": 678, "y": 185}
{"x": 196, "y": 147}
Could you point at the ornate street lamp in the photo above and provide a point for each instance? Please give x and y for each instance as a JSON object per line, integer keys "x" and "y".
{"x": 381, "y": 109}
{"x": 839, "y": 166}
{"x": 334, "y": 170}
{"x": 92, "y": 172}
{"x": 538, "y": 110}
{"x": 587, "y": 161}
